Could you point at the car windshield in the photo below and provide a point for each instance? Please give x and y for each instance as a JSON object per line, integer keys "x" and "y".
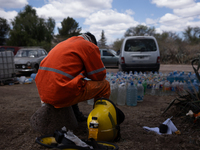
{"x": 140, "y": 45}
{"x": 26, "y": 53}
{"x": 112, "y": 51}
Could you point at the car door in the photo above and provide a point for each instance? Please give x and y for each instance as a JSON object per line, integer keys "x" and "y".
{"x": 41, "y": 55}
{"x": 141, "y": 51}
{"x": 108, "y": 58}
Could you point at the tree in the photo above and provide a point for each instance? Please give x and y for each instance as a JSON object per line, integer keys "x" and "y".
{"x": 117, "y": 44}
{"x": 102, "y": 41}
{"x": 4, "y": 29}
{"x": 69, "y": 28}
{"x": 30, "y": 30}
{"x": 140, "y": 30}
{"x": 192, "y": 35}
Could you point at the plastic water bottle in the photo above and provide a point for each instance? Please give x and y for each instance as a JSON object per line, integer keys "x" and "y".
{"x": 144, "y": 83}
{"x": 131, "y": 95}
{"x": 121, "y": 99}
{"x": 196, "y": 85}
{"x": 167, "y": 88}
{"x": 170, "y": 77}
{"x": 90, "y": 101}
{"x": 153, "y": 89}
{"x": 149, "y": 86}
{"x": 140, "y": 92}
{"x": 114, "y": 92}
{"x": 193, "y": 77}
{"x": 173, "y": 87}
{"x": 157, "y": 88}
{"x": 93, "y": 128}
{"x": 189, "y": 87}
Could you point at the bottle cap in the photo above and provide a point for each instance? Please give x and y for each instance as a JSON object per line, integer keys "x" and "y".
{"x": 94, "y": 118}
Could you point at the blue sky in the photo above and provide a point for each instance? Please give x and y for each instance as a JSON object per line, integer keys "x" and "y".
{"x": 112, "y": 16}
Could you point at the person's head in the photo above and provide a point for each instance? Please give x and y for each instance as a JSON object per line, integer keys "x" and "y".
{"x": 89, "y": 37}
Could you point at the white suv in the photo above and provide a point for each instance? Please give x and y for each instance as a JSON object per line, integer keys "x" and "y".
{"x": 139, "y": 53}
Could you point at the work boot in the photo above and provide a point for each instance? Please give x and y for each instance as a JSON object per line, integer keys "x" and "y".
{"x": 79, "y": 115}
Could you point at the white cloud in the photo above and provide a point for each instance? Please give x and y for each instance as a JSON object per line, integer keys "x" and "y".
{"x": 174, "y": 3}
{"x": 59, "y": 9}
{"x": 173, "y": 23}
{"x": 189, "y": 11}
{"x": 8, "y": 15}
{"x": 13, "y": 3}
{"x": 184, "y": 11}
{"x": 193, "y": 24}
{"x": 130, "y": 12}
{"x": 150, "y": 21}
{"x": 112, "y": 22}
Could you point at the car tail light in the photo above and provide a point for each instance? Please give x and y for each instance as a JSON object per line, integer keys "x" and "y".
{"x": 158, "y": 59}
{"x": 122, "y": 60}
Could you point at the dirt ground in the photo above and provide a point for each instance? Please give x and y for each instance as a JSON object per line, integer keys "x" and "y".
{"x": 18, "y": 102}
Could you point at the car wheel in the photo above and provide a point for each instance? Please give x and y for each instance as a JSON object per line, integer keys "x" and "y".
{"x": 36, "y": 67}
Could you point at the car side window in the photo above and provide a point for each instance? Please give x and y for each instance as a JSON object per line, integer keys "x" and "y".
{"x": 43, "y": 53}
{"x": 39, "y": 53}
{"x": 106, "y": 53}
{"x": 2, "y": 49}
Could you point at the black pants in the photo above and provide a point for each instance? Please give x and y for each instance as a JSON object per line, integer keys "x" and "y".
{"x": 76, "y": 110}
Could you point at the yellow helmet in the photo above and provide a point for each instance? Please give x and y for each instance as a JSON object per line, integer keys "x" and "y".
{"x": 109, "y": 118}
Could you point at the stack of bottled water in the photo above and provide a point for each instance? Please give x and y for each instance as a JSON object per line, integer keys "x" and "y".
{"x": 121, "y": 83}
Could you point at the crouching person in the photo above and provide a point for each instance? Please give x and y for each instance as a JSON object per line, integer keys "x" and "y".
{"x": 61, "y": 83}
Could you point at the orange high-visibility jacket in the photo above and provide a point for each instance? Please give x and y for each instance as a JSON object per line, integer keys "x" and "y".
{"x": 60, "y": 75}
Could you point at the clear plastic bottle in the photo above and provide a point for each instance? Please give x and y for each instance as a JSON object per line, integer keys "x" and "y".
{"x": 157, "y": 88}
{"x": 93, "y": 128}
{"x": 149, "y": 86}
{"x": 180, "y": 88}
{"x": 114, "y": 92}
{"x": 144, "y": 83}
{"x": 121, "y": 98}
{"x": 131, "y": 95}
{"x": 161, "y": 88}
{"x": 140, "y": 92}
{"x": 167, "y": 88}
{"x": 195, "y": 86}
{"x": 189, "y": 86}
{"x": 170, "y": 77}
{"x": 173, "y": 87}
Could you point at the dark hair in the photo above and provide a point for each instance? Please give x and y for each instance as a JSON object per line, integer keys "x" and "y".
{"x": 92, "y": 37}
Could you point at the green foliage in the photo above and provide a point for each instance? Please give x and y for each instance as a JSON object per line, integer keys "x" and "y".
{"x": 4, "y": 29}
{"x": 140, "y": 30}
{"x": 192, "y": 35}
{"x": 117, "y": 44}
{"x": 102, "y": 41}
{"x": 69, "y": 28}
{"x": 30, "y": 30}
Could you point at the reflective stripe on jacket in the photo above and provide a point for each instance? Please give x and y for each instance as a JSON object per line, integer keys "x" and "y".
{"x": 61, "y": 73}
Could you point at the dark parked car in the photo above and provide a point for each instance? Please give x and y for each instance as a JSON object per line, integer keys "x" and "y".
{"x": 28, "y": 59}
{"x": 109, "y": 57}
{"x": 14, "y": 49}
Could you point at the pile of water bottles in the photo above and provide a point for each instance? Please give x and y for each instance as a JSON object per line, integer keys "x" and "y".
{"x": 130, "y": 88}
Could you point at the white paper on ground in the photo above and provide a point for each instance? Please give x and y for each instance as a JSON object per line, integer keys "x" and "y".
{"x": 171, "y": 127}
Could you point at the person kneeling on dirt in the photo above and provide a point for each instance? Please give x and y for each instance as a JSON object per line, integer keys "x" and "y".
{"x": 61, "y": 76}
